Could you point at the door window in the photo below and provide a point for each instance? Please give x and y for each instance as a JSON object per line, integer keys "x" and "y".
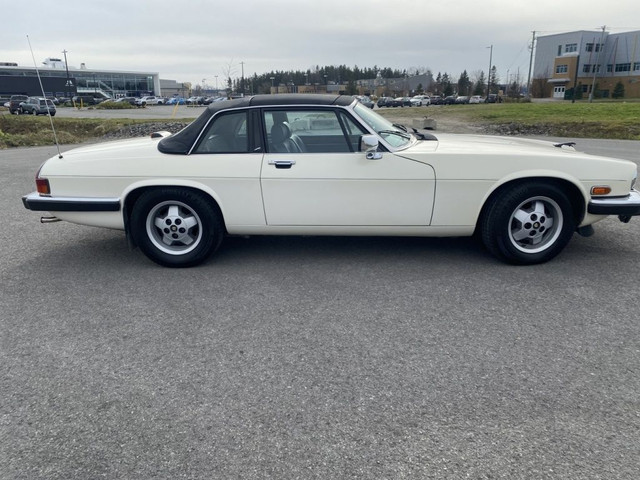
{"x": 313, "y": 131}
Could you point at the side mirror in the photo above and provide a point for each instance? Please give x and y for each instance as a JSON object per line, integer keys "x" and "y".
{"x": 369, "y": 145}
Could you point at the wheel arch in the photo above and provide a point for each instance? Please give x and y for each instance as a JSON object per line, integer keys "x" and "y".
{"x": 131, "y": 197}
{"x": 573, "y": 192}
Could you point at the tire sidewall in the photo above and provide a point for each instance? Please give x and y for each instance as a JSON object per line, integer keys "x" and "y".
{"x": 496, "y": 229}
{"x": 210, "y": 225}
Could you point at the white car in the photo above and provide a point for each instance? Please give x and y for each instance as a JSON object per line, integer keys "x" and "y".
{"x": 328, "y": 165}
{"x": 476, "y": 99}
{"x": 149, "y": 100}
{"x": 420, "y": 100}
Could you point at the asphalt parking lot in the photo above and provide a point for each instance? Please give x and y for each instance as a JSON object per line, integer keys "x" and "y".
{"x": 314, "y": 357}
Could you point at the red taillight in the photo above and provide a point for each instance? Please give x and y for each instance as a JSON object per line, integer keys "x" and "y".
{"x": 42, "y": 185}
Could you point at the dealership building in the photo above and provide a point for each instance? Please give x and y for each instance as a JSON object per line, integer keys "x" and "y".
{"x": 580, "y": 59}
{"x": 60, "y": 81}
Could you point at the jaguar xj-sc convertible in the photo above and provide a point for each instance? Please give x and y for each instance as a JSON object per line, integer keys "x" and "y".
{"x": 327, "y": 165}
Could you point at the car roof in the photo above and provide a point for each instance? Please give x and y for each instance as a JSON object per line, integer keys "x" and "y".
{"x": 181, "y": 142}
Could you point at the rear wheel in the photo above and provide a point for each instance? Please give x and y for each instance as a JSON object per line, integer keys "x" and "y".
{"x": 529, "y": 223}
{"x": 176, "y": 227}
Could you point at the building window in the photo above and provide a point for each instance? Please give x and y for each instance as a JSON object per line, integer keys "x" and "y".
{"x": 623, "y": 67}
{"x": 562, "y": 69}
{"x": 586, "y": 68}
{"x": 570, "y": 47}
{"x": 559, "y": 50}
{"x": 636, "y": 66}
{"x": 589, "y": 47}
{"x": 610, "y": 68}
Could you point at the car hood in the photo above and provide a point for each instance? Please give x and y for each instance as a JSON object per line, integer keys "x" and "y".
{"x": 479, "y": 144}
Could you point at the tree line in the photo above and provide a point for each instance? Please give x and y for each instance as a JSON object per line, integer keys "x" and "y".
{"x": 440, "y": 84}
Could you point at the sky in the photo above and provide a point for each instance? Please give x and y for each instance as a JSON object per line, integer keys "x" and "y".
{"x": 197, "y": 40}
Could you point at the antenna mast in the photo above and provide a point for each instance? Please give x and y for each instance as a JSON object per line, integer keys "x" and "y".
{"x": 55, "y": 137}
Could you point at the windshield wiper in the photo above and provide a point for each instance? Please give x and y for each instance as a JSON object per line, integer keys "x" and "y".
{"x": 396, "y": 132}
{"x": 401, "y": 127}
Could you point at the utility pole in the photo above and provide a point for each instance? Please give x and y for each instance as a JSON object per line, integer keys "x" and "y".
{"x": 489, "y": 74}
{"x": 242, "y": 79}
{"x": 533, "y": 42}
{"x": 599, "y": 48}
{"x": 68, "y": 82}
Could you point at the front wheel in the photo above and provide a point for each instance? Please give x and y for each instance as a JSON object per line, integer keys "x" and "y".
{"x": 176, "y": 227}
{"x": 528, "y": 223}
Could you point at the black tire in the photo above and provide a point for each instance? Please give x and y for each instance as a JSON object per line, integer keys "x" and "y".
{"x": 528, "y": 223}
{"x": 176, "y": 227}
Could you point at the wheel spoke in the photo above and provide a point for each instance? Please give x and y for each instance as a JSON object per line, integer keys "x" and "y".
{"x": 522, "y": 216}
{"x": 159, "y": 222}
{"x": 539, "y": 208}
{"x": 173, "y": 211}
{"x": 190, "y": 222}
{"x": 520, "y": 234}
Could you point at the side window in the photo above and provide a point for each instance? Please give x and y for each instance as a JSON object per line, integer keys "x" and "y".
{"x": 225, "y": 134}
{"x": 313, "y": 131}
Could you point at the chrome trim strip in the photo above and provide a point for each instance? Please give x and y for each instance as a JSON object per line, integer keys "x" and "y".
{"x": 38, "y": 203}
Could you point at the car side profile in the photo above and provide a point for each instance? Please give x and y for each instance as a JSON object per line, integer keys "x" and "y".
{"x": 38, "y": 106}
{"x": 328, "y": 165}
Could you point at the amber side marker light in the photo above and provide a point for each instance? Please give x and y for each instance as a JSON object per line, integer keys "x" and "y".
{"x": 42, "y": 185}
{"x": 600, "y": 190}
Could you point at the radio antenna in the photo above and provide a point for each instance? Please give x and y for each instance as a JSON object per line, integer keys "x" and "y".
{"x": 55, "y": 137}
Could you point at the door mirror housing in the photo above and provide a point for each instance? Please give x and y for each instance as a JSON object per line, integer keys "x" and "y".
{"x": 369, "y": 145}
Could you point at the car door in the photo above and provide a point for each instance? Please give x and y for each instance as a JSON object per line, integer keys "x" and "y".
{"x": 327, "y": 181}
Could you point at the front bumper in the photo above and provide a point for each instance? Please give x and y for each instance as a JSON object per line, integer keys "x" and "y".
{"x": 626, "y": 206}
{"x": 38, "y": 203}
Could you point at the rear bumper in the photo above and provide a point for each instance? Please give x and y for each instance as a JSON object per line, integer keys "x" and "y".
{"x": 626, "y": 206}
{"x": 38, "y": 203}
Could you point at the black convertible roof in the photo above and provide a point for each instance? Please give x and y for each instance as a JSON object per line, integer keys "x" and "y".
{"x": 181, "y": 142}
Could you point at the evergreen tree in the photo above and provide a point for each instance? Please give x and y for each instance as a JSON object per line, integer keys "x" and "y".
{"x": 618, "y": 91}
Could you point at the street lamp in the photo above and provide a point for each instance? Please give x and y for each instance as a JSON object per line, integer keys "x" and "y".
{"x": 272, "y": 79}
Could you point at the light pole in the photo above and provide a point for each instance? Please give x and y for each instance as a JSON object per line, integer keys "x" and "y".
{"x": 203, "y": 88}
{"x": 272, "y": 79}
{"x": 489, "y": 74}
{"x": 68, "y": 83}
{"x": 217, "y": 93}
{"x": 242, "y": 79}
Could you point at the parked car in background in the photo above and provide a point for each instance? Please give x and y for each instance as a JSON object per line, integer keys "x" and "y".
{"x": 129, "y": 100}
{"x": 420, "y": 100}
{"x": 195, "y": 100}
{"x": 436, "y": 100}
{"x": 403, "y": 101}
{"x": 176, "y": 101}
{"x": 493, "y": 98}
{"x": 476, "y": 99}
{"x": 86, "y": 100}
{"x": 450, "y": 100}
{"x": 462, "y": 99}
{"x": 366, "y": 101}
{"x": 149, "y": 100}
{"x": 383, "y": 101}
{"x": 38, "y": 106}
{"x": 15, "y": 101}
{"x": 328, "y": 165}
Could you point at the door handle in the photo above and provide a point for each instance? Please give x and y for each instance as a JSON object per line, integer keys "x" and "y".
{"x": 282, "y": 163}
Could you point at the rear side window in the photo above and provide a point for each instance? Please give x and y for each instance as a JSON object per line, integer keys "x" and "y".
{"x": 227, "y": 133}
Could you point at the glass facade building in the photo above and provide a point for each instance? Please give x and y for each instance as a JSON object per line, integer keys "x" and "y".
{"x": 59, "y": 82}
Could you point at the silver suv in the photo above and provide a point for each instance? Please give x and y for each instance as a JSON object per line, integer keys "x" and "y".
{"x": 38, "y": 106}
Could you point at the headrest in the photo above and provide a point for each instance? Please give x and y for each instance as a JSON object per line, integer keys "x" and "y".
{"x": 280, "y": 132}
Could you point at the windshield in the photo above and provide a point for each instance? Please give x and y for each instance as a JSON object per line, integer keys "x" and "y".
{"x": 391, "y": 134}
